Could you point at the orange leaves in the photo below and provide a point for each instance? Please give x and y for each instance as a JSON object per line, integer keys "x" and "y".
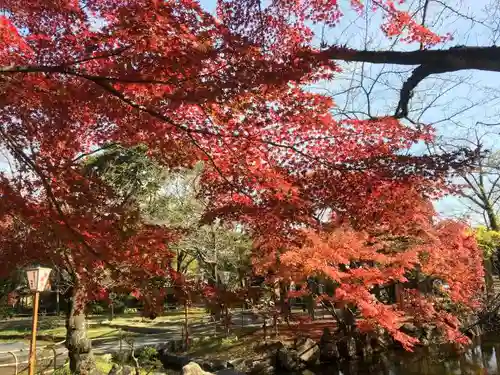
{"x": 455, "y": 257}
{"x": 357, "y": 262}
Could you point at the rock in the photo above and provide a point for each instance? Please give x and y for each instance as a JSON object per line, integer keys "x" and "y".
{"x": 214, "y": 365}
{"x": 380, "y": 342}
{"x": 328, "y": 347}
{"x": 288, "y": 359}
{"x": 169, "y": 360}
{"x": 193, "y": 368}
{"x": 228, "y": 371}
{"x": 233, "y": 363}
{"x": 428, "y": 331}
{"x": 367, "y": 350}
{"x": 261, "y": 368}
{"x": 309, "y": 351}
{"x": 364, "y": 347}
{"x": 347, "y": 347}
{"x": 409, "y": 329}
{"x": 125, "y": 370}
{"x": 351, "y": 347}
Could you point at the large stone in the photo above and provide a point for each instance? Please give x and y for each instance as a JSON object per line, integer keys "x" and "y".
{"x": 364, "y": 347}
{"x": 261, "y": 368}
{"x": 328, "y": 347}
{"x": 193, "y": 368}
{"x": 409, "y": 329}
{"x": 288, "y": 359}
{"x": 228, "y": 371}
{"x": 125, "y": 370}
{"x": 308, "y": 350}
{"x": 351, "y": 347}
{"x": 213, "y": 365}
{"x": 380, "y": 341}
{"x": 428, "y": 331}
{"x": 172, "y": 361}
{"x": 261, "y": 365}
{"x": 347, "y": 347}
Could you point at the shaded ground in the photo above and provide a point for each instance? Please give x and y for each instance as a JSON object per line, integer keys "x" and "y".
{"x": 114, "y": 336}
{"x": 51, "y": 328}
{"x": 248, "y": 342}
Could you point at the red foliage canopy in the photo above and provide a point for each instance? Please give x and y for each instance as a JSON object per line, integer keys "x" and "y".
{"x": 228, "y": 90}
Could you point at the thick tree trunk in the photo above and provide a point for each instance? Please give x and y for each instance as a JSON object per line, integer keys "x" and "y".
{"x": 285, "y": 306}
{"x": 78, "y": 344}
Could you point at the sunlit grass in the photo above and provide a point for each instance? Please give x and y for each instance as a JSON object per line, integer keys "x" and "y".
{"x": 58, "y": 334}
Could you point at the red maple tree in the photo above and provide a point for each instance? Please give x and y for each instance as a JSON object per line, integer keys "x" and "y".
{"x": 228, "y": 90}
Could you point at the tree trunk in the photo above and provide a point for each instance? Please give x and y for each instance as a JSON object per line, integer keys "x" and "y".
{"x": 492, "y": 218}
{"x": 488, "y": 277}
{"x": 311, "y": 307}
{"x": 493, "y": 225}
{"x": 77, "y": 342}
{"x": 285, "y": 306}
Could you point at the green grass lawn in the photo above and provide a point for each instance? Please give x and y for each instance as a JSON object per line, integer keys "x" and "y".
{"x": 103, "y": 365}
{"x": 168, "y": 318}
{"x": 52, "y": 328}
{"x": 57, "y": 334}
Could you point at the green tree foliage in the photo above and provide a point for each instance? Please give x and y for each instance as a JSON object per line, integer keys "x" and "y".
{"x": 170, "y": 198}
{"x": 488, "y": 241}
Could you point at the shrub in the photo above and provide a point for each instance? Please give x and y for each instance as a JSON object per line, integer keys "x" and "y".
{"x": 147, "y": 355}
{"x": 97, "y": 309}
{"x": 62, "y": 371}
{"x": 121, "y": 357}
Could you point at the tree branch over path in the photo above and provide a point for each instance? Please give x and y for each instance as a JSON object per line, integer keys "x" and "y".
{"x": 429, "y": 62}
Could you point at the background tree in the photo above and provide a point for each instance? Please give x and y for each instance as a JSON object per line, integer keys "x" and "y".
{"x": 171, "y": 199}
{"x": 115, "y": 245}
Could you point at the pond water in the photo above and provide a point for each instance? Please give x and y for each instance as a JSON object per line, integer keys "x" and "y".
{"x": 482, "y": 358}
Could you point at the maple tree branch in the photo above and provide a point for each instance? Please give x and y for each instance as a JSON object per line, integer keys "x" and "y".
{"x": 471, "y": 198}
{"x": 114, "y": 53}
{"x": 493, "y": 186}
{"x": 428, "y": 61}
{"x": 23, "y": 158}
{"x": 496, "y": 200}
{"x": 424, "y": 15}
{"x": 462, "y": 57}
{"x": 85, "y": 154}
{"x": 105, "y": 84}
